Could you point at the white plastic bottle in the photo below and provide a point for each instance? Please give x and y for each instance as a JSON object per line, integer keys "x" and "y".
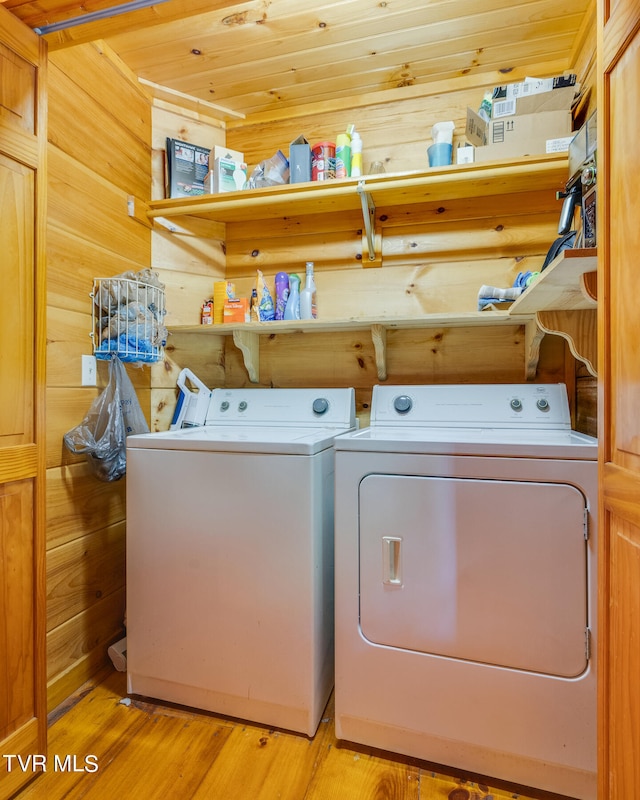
{"x": 308, "y": 308}
{"x": 356, "y": 154}
{"x": 292, "y": 308}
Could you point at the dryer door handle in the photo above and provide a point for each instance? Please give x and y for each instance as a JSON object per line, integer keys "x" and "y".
{"x": 392, "y": 560}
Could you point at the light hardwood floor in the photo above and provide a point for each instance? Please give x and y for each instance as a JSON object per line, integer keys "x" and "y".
{"x": 128, "y": 749}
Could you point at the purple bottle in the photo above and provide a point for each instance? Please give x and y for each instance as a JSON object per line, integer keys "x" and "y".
{"x": 282, "y": 293}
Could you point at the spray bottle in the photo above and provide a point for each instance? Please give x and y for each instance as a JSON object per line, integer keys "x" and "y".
{"x": 308, "y": 308}
{"x": 292, "y": 309}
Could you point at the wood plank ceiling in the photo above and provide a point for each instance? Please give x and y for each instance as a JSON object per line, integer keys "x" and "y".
{"x": 266, "y": 56}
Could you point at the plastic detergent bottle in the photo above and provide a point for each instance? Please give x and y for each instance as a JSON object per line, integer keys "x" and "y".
{"x": 282, "y": 293}
{"x": 308, "y": 308}
{"x": 343, "y": 155}
{"x": 356, "y": 154}
{"x": 292, "y": 308}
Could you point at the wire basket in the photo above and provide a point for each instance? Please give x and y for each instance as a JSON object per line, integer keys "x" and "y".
{"x": 128, "y": 318}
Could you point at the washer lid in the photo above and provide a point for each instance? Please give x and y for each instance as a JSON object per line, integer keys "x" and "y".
{"x": 284, "y": 440}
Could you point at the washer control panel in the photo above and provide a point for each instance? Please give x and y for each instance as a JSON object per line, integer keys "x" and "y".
{"x": 483, "y": 405}
{"x": 334, "y": 407}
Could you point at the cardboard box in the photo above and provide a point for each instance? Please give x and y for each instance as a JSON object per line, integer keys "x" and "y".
{"x": 236, "y": 310}
{"x": 557, "y": 100}
{"x": 218, "y": 151}
{"x": 226, "y": 176}
{"x": 299, "y": 160}
{"x": 533, "y": 95}
{"x": 520, "y": 135}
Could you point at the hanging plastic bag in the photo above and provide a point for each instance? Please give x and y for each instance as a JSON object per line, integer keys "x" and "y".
{"x": 102, "y": 434}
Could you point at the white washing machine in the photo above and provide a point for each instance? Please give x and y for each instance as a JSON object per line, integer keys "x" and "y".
{"x": 466, "y": 583}
{"x": 230, "y": 556}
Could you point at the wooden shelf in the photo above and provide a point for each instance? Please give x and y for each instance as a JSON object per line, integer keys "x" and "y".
{"x": 393, "y": 189}
{"x": 246, "y": 336}
{"x": 562, "y": 286}
{"x": 564, "y": 302}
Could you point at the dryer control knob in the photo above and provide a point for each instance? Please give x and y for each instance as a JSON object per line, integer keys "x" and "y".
{"x": 516, "y": 404}
{"x": 543, "y": 404}
{"x": 320, "y": 405}
{"x": 242, "y": 405}
{"x": 403, "y": 404}
{"x": 224, "y": 405}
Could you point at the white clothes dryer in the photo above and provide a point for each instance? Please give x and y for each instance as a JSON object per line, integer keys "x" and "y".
{"x": 230, "y": 556}
{"x": 466, "y": 583}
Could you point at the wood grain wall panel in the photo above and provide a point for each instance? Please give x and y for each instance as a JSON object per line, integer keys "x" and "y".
{"x": 204, "y": 355}
{"x": 83, "y": 204}
{"x": 77, "y": 648}
{"x": 73, "y": 262}
{"x": 94, "y": 165}
{"x": 192, "y": 245}
{"x": 587, "y": 403}
{"x": 443, "y": 241}
{"x": 106, "y": 138}
{"x": 78, "y": 504}
{"x": 97, "y": 70}
{"x": 83, "y": 571}
{"x": 185, "y": 295}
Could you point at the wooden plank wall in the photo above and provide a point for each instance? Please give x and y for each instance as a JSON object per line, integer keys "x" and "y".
{"x": 99, "y": 151}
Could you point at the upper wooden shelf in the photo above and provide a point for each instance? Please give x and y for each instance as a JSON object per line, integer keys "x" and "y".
{"x": 565, "y": 285}
{"x": 563, "y": 301}
{"x": 386, "y": 189}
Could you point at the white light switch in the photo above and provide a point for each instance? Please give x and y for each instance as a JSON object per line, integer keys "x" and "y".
{"x": 89, "y": 377}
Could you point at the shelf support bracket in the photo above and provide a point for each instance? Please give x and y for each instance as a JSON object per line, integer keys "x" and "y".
{"x": 379, "y": 339}
{"x": 579, "y": 328}
{"x": 372, "y": 238}
{"x": 248, "y": 342}
{"x": 533, "y": 337}
{"x": 138, "y": 210}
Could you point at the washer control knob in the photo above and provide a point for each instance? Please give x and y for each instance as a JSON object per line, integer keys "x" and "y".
{"x": 516, "y": 404}
{"x": 320, "y": 405}
{"x": 543, "y": 404}
{"x": 242, "y": 405}
{"x": 224, "y": 405}
{"x": 403, "y": 404}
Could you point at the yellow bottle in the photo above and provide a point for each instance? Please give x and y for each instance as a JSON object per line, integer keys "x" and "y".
{"x": 356, "y": 154}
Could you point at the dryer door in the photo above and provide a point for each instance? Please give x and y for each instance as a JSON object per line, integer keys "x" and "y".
{"x": 491, "y": 571}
